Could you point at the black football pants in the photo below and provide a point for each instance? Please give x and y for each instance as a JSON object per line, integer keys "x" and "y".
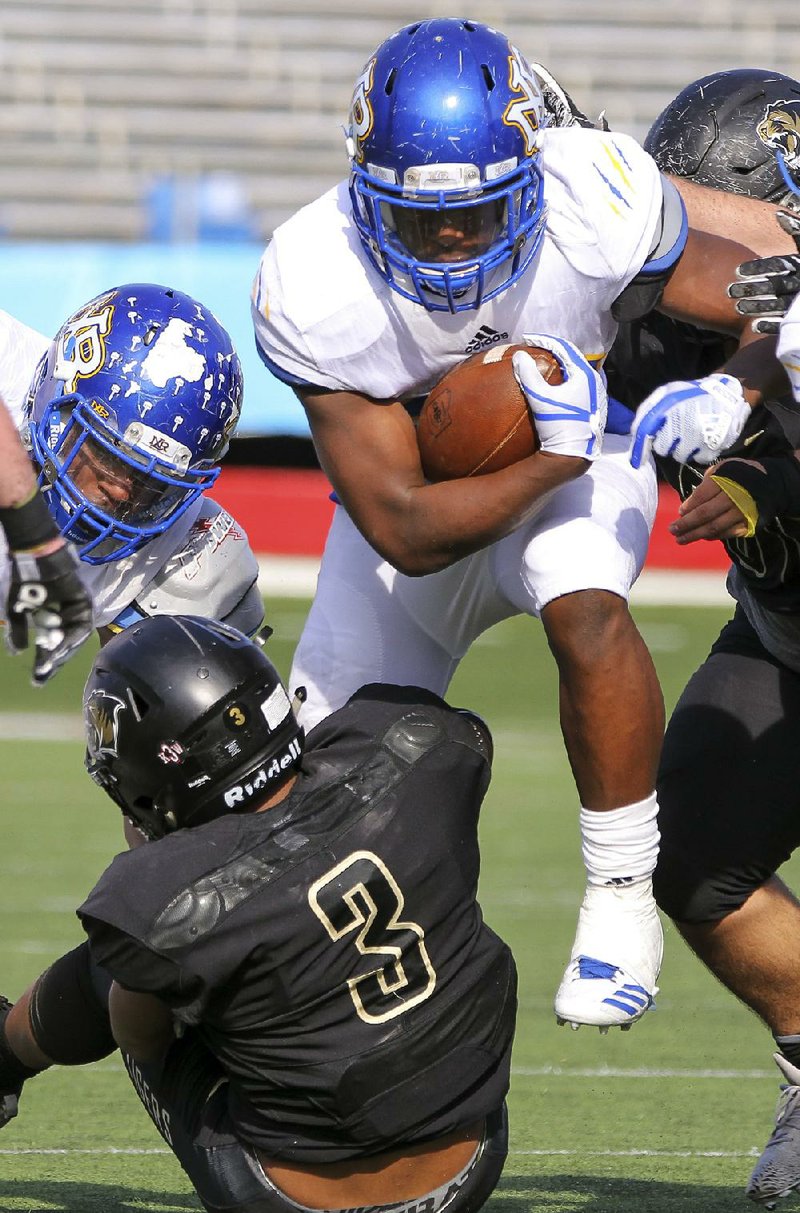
{"x": 729, "y": 779}
{"x": 186, "y": 1098}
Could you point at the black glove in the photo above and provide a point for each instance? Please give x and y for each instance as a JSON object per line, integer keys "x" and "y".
{"x": 559, "y": 106}
{"x": 764, "y": 489}
{"x": 45, "y": 591}
{"x": 13, "y": 1072}
{"x": 767, "y": 286}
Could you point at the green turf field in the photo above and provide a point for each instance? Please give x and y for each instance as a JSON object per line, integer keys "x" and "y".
{"x": 667, "y": 1117}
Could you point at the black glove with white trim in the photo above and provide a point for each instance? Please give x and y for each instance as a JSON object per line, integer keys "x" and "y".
{"x": 45, "y": 592}
{"x": 766, "y": 286}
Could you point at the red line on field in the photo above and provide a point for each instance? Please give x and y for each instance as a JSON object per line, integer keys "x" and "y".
{"x": 287, "y": 512}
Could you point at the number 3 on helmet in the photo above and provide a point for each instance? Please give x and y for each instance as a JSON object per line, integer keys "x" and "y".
{"x": 129, "y": 411}
{"x": 446, "y": 185}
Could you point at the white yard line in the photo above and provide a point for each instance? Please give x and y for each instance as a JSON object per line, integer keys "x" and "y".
{"x": 643, "y": 1072}
{"x": 41, "y": 726}
{"x": 752, "y": 1153}
{"x": 116, "y": 1067}
{"x": 296, "y": 576}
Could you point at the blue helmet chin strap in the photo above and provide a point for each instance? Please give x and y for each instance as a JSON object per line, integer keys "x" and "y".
{"x": 792, "y": 185}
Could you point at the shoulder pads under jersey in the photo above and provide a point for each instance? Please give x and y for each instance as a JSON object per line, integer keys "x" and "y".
{"x": 644, "y": 291}
{"x": 213, "y": 574}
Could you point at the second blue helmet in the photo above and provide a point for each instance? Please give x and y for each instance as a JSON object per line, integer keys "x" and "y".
{"x": 129, "y": 412}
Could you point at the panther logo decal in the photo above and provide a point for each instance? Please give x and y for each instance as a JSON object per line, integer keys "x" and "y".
{"x": 779, "y": 130}
{"x": 102, "y": 724}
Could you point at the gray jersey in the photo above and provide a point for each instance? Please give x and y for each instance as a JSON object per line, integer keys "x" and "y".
{"x": 213, "y": 573}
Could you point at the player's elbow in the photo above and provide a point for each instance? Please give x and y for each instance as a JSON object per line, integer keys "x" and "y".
{"x": 417, "y": 562}
{"x": 414, "y": 557}
{"x": 408, "y": 536}
{"x": 416, "y": 567}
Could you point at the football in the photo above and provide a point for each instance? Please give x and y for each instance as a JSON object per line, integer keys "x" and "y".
{"x": 476, "y": 419}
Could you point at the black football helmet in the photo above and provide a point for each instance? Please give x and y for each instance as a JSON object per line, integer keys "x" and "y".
{"x": 187, "y": 719}
{"x": 737, "y": 131}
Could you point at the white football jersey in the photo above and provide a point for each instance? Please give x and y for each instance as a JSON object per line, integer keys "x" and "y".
{"x": 324, "y": 316}
{"x": 21, "y": 347}
{"x": 202, "y": 565}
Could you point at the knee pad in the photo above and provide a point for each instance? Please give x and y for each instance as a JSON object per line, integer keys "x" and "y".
{"x": 69, "y": 1010}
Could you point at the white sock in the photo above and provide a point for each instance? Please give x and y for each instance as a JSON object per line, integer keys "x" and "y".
{"x": 620, "y": 846}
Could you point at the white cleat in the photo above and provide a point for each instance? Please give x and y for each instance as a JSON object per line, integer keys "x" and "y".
{"x": 611, "y": 978}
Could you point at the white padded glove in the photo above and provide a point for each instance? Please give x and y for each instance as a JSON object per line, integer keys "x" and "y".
{"x": 690, "y": 419}
{"x": 789, "y": 346}
{"x": 569, "y": 417}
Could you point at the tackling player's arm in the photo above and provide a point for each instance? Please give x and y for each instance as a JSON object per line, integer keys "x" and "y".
{"x": 738, "y": 496}
{"x": 718, "y": 213}
{"x": 141, "y": 1024}
{"x": 697, "y": 290}
{"x": 368, "y": 449}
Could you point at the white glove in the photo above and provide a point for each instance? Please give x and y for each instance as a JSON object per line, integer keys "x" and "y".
{"x": 789, "y": 346}
{"x": 569, "y": 417}
{"x": 690, "y": 419}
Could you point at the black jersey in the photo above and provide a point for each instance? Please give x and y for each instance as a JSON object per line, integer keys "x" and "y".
{"x": 331, "y": 951}
{"x": 653, "y": 351}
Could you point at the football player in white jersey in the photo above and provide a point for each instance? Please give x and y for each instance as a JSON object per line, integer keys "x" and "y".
{"x": 127, "y": 413}
{"x": 466, "y": 223}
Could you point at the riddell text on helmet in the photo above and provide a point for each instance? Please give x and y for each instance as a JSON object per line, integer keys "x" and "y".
{"x": 240, "y": 793}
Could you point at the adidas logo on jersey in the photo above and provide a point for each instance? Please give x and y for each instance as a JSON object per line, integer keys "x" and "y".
{"x": 483, "y": 339}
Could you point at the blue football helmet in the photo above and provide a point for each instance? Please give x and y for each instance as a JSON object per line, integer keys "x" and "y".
{"x": 446, "y": 185}
{"x": 129, "y": 412}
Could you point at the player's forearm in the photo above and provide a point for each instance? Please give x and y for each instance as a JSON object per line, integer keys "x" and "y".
{"x": 720, "y": 213}
{"x": 432, "y": 526}
{"x": 19, "y": 1034}
{"x": 698, "y": 290}
{"x": 761, "y": 374}
{"x": 17, "y": 479}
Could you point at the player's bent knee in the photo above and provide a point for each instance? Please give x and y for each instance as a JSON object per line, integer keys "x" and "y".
{"x": 580, "y": 625}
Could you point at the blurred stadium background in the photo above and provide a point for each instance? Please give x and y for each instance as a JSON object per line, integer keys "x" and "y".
{"x": 166, "y": 139}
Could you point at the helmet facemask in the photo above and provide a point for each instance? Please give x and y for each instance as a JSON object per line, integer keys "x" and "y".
{"x": 417, "y": 240}
{"x": 106, "y": 494}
